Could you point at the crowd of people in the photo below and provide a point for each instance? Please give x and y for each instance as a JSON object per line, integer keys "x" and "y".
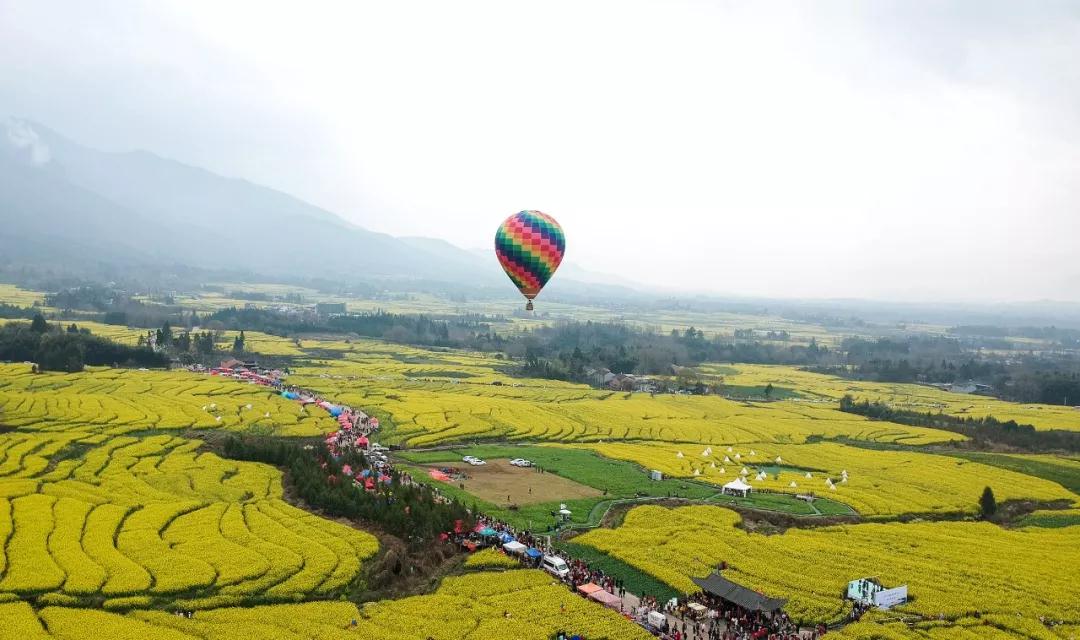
{"x": 717, "y": 619}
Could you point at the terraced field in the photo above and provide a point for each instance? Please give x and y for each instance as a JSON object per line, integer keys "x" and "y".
{"x": 470, "y": 607}
{"x": 433, "y": 397}
{"x": 110, "y": 512}
{"x": 914, "y": 397}
{"x": 954, "y": 569}
{"x": 125, "y": 521}
{"x": 873, "y": 482}
{"x": 116, "y": 401}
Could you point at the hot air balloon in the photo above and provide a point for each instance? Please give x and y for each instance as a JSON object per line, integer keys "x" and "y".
{"x": 530, "y": 246}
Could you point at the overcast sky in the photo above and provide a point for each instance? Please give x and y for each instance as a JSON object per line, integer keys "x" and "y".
{"x": 890, "y": 150}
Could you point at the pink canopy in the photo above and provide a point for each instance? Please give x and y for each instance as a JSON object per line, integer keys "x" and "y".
{"x": 607, "y": 599}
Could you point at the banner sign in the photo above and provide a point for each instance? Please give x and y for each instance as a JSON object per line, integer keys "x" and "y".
{"x": 889, "y": 598}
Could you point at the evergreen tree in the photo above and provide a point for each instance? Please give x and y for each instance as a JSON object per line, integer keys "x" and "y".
{"x": 38, "y": 324}
{"x": 987, "y": 503}
{"x": 165, "y": 336}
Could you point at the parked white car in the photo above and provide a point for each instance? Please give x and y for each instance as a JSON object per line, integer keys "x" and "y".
{"x": 469, "y": 459}
{"x": 476, "y": 462}
{"x": 520, "y": 462}
{"x": 556, "y": 566}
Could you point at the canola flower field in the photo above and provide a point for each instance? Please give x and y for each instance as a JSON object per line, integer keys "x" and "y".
{"x": 141, "y": 520}
{"x": 435, "y": 398}
{"x": 912, "y": 397}
{"x": 954, "y": 569}
{"x": 469, "y": 607}
{"x": 117, "y": 401}
{"x": 108, "y": 519}
{"x": 110, "y": 511}
{"x": 874, "y": 482}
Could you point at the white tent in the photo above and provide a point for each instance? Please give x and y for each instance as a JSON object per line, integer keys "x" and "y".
{"x": 737, "y": 487}
{"x": 657, "y": 619}
{"x": 514, "y": 547}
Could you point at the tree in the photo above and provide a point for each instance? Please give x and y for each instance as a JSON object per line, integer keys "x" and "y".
{"x": 987, "y": 503}
{"x": 61, "y": 352}
{"x": 38, "y": 324}
{"x": 165, "y": 336}
{"x": 238, "y": 343}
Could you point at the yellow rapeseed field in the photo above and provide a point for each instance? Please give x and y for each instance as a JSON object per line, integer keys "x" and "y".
{"x": 873, "y": 482}
{"x": 953, "y": 569}
{"x": 913, "y": 397}
{"x": 116, "y": 401}
{"x": 434, "y": 397}
{"x": 522, "y": 604}
{"x": 151, "y": 516}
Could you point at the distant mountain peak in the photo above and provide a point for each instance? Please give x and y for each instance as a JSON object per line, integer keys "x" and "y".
{"x": 24, "y": 143}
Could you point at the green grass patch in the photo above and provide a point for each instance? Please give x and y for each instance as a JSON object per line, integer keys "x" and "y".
{"x": 829, "y": 507}
{"x": 621, "y": 479}
{"x": 1066, "y": 476}
{"x": 1050, "y": 520}
{"x": 769, "y": 501}
{"x": 758, "y": 392}
{"x": 635, "y": 580}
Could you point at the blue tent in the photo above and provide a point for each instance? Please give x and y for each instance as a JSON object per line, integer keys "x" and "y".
{"x": 505, "y": 537}
{"x": 487, "y": 531}
{"x": 335, "y": 410}
{"x": 533, "y": 553}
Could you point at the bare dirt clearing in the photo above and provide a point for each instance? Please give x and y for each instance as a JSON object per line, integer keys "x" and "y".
{"x": 500, "y": 482}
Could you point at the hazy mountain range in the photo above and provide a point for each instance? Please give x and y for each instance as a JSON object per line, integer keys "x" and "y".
{"x": 71, "y": 205}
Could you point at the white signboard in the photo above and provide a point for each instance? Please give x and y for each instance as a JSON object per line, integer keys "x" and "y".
{"x": 888, "y": 598}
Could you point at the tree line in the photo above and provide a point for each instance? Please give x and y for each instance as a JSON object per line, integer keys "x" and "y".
{"x": 411, "y": 512}
{"x": 53, "y": 348}
{"x": 570, "y": 350}
{"x": 983, "y": 431}
{"x": 1047, "y": 379}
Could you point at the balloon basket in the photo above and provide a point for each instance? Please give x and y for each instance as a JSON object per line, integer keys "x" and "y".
{"x": 529, "y": 306}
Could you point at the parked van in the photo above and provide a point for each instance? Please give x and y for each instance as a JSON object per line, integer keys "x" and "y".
{"x": 556, "y": 566}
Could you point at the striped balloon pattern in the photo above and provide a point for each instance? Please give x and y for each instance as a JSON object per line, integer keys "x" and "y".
{"x": 530, "y": 246}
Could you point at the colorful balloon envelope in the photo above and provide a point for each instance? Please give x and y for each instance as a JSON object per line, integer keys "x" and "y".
{"x": 530, "y": 246}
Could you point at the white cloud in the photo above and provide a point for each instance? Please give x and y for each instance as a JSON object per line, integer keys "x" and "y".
{"x": 882, "y": 150}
